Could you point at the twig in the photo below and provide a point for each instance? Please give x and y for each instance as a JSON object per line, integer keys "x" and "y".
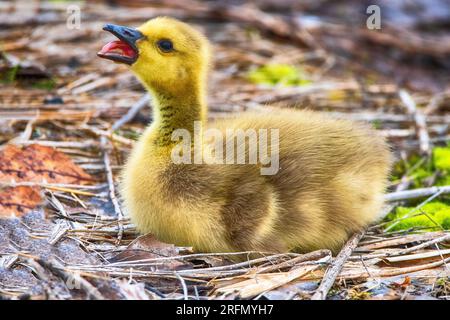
{"x": 418, "y": 256}
{"x": 8, "y": 260}
{"x": 26, "y": 134}
{"x": 143, "y": 262}
{"x": 250, "y": 15}
{"x": 307, "y": 257}
{"x": 183, "y": 285}
{"x": 42, "y": 273}
{"x": 403, "y": 255}
{"x": 62, "y": 144}
{"x": 56, "y": 186}
{"x": 59, "y": 231}
{"x": 93, "y": 85}
{"x": 266, "y": 22}
{"x": 416, "y": 193}
{"x": 420, "y": 246}
{"x": 388, "y": 117}
{"x": 436, "y": 102}
{"x": 406, "y": 41}
{"x": 245, "y": 264}
{"x": 336, "y": 266}
{"x": 144, "y": 101}
{"x": 58, "y": 270}
{"x": 399, "y": 241}
{"x": 112, "y": 135}
{"x": 419, "y": 119}
{"x": 112, "y": 189}
{"x": 394, "y": 271}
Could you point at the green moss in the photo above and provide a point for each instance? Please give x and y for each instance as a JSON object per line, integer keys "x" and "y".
{"x": 358, "y": 295}
{"x": 377, "y": 124}
{"x": 44, "y": 84}
{"x": 10, "y": 75}
{"x": 434, "y": 215}
{"x": 444, "y": 180}
{"x": 441, "y": 162}
{"x": 441, "y": 158}
{"x": 273, "y": 74}
{"x": 128, "y": 133}
{"x": 420, "y": 169}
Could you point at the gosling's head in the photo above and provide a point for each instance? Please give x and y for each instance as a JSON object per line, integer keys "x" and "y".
{"x": 167, "y": 55}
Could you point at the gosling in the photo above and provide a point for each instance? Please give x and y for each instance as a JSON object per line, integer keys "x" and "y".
{"x": 330, "y": 182}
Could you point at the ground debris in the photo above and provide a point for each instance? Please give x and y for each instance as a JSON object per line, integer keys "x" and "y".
{"x": 68, "y": 121}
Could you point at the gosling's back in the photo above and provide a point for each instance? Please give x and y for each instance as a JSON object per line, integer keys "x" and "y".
{"x": 330, "y": 183}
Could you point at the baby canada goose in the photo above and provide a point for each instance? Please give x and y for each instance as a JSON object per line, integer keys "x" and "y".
{"x": 331, "y": 176}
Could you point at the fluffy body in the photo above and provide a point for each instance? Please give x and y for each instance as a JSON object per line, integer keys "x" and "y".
{"x": 330, "y": 183}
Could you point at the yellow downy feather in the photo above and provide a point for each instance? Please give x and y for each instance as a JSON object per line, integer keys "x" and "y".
{"x": 330, "y": 184}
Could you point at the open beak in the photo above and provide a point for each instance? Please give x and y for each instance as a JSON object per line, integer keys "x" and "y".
{"x": 123, "y": 50}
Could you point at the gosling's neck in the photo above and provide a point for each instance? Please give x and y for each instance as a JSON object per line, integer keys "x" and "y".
{"x": 176, "y": 110}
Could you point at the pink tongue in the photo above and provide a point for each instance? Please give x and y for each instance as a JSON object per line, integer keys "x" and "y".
{"x": 118, "y": 47}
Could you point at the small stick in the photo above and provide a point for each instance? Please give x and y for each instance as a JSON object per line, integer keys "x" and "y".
{"x": 420, "y": 246}
{"x": 245, "y": 264}
{"x": 59, "y": 270}
{"x": 183, "y": 285}
{"x": 61, "y": 144}
{"x": 415, "y": 193}
{"x": 145, "y": 100}
{"x": 436, "y": 102}
{"x": 419, "y": 119}
{"x": 307, "y": 257}
{"x": 112, "y": 189}
{"x": 388, "y": 272}
{"x": 26, "y": 134}
{"x": 336, "y": 266}
{"x": 8, "y": 260}
{"x": 109, "y": 134}
{"x": 201, "y": 255}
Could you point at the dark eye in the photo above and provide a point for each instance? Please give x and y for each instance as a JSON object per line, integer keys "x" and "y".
{"x": 165, "y": 45}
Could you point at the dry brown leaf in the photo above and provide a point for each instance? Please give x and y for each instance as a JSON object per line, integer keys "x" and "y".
{"x": 148, "y": 242}
{"x": 260, "y": 283}
{"x": 406, "y": 282}
{"x": 134, "y": 291}
{"x": 34, "y": 163}
{"x": 148, "y": 247}
{"x": 18, "y": 201}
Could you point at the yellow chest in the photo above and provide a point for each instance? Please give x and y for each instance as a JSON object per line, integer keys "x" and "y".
{"x": 170, "y": 218}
